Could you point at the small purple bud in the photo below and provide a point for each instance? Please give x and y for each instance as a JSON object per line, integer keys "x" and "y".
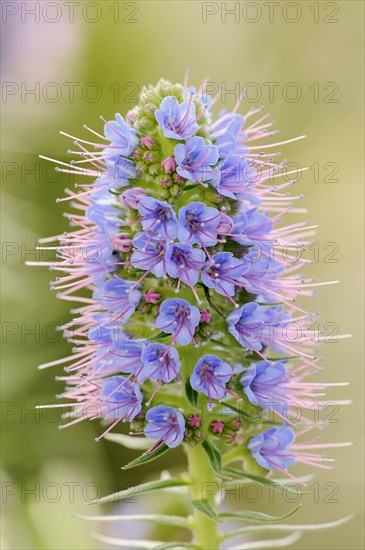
{"x": 168, "y": 165}
{"x": 235, "y": 424}
{"x": 151, "y": 296}
{"x": 217, "y": 426}
{"x": 130, "y": 117}
{"x": 147, "y": 142}
{"x": 205, "y": 316}
{"x": 194, "y": 420}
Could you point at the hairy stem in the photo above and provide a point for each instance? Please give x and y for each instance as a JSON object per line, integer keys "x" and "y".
{"x": 203, "y": 487}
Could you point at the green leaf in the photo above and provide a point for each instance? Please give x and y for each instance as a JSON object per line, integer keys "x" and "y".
{"x": 191, "y": 395}
{"x": 128, "y": 543}
{"x": 149, "y": 487}
{"x": 130, "y": 442}
{"x": 158, "y": 336}
{"x": 235, "y": 472}
{"x": 228, "y": 346}
{"x": 176, "y": 521}
{"x": 258, "y": 516}
{"x": 275, "y": 543}
{"x": 281, "y": 527}
{"x": 205, "y": 508}
{"x": 176, "y": 546}
{"x": 143, "y": 459}
{"x": 214, "y": 456}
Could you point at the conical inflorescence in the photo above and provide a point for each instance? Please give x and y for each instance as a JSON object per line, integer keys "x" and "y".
{"x": 186, "y": 325}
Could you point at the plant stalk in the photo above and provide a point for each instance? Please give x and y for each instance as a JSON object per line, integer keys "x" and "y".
{"x": 203, "y": 487}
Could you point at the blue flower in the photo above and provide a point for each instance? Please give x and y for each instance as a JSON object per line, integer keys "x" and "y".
{"x": 106, "y": 217}
{"x": 227, "y": 123}
{"x": 232, "y": 176}
{"x": 150, "y": 254}
{"x": 254, "y": 327}
{"x": 123, "y": 171}
{"x": 120, "y": 398}
{"x": 116, "y": 176}
{"x": 271, "y": 448}
{"x": 130, "y": 197}
{"x": 99, "y": 269}
{"x": 158, "y": 217}
{"x": 178, "y": 121}
{"x": 226, "y": 145}
{"x": 198, "y": 223}
{"x": 223, "y": 273}
{"x": 123, "y": 138}
{"x": 117, "y": 295}
{"x": 251, "y": 227}
{"x": 184, "y": 262}
{"x": 101, "y": 334}
{"x": 179, "y": 318}
{"x": 279, "y": 332}
{"x": 160, "y": 363}
{"x": 261, "y": 275}
{"x": 245, "y": 324}
{"x": 210, "y": 376}
{"x": 166, "y": 425}
{"x": 204, "y": 97}
{"x": 127, "y": 354}
{"x": 265, "y": 384}
{"x": 194, "y": 159}
{"x": 224, "y": 133}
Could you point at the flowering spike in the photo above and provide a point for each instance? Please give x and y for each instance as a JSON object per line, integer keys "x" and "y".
{"x": 186, "y": 202}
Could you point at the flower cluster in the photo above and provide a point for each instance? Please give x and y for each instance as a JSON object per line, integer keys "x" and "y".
{"x": 174, "y": 247}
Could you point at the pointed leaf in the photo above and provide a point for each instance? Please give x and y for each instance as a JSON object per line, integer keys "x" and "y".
{"x": 176, "y": 521}
{"x": 235, "y": 472}
{"x": 176, "y": 546}
{"x": 149, "y": 487}
{"x": 214, "y": 457}
{"x": 158, "y": 336}
{"x": 230, "y": 347}
{"x": 143, "y": 459}
{"x": 258, "y": 516}
{"x": 129, "y": 544}
{"x": 130, "y": 442}
{"x": 276, "y": 543}
{"x": 191, "y": 394}
{"x": 281, "y": 527}
{"x": 205, "y": 508}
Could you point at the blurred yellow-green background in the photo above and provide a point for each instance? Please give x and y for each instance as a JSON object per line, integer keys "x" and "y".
{"x": 65, "y": 64}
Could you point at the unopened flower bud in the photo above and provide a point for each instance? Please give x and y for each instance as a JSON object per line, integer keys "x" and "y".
{"x": 194, "y": 420}
{"x": 147, "y": 142}
{"x": 205, "y": 316}
{"x": 217, "y": 426}
{"x": 151, "y": 296}
{"x": 234, "y": 424}
{"x": 168, "y": 165}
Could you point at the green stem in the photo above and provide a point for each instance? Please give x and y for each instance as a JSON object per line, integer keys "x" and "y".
{"x": 203, "y": 484}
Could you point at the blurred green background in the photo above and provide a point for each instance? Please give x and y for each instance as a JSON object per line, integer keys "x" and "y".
{"x": 91, "y": 59}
